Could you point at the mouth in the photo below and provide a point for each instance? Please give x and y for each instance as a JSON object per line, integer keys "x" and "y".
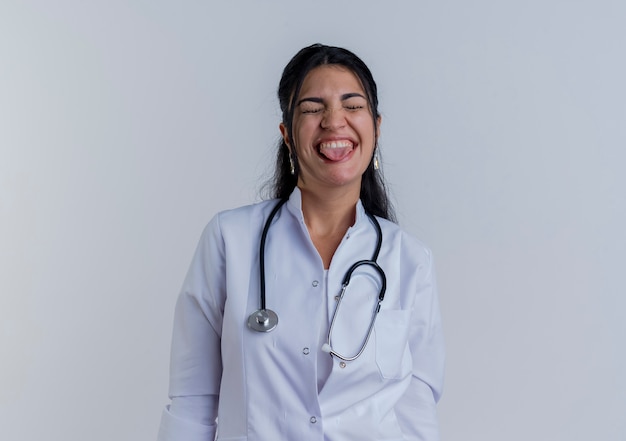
{"x": 336, "y": 150}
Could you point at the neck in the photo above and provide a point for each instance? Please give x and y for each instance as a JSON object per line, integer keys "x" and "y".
{"x": 327, "y": 219}
{"x": 328, "y": 212}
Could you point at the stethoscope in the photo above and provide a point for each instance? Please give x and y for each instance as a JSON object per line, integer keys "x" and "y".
{"x": 265, "y": 320}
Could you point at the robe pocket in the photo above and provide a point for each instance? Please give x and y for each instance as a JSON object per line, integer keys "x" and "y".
{"x": 392, "y": 350}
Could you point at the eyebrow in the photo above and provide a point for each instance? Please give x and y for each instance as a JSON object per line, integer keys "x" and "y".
{"x": 344, "y": 97}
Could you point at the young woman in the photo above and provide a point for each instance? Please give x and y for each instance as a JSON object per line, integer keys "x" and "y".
{"x": 311, "y": 316}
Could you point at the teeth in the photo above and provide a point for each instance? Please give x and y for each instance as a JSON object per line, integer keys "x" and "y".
{"x": 335, "y": 144}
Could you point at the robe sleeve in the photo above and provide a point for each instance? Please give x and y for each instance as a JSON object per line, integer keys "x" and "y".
{"x": 416, "y": 410}
{"x": 196, "y": 364}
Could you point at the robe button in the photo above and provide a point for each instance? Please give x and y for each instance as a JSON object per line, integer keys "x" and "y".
{"x": 305, "y": 351}
{"x": 313, "y": 420}
{"x": 315, "y": 283}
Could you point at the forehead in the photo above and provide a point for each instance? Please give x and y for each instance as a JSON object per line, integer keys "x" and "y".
{"x": 330, "y": 79}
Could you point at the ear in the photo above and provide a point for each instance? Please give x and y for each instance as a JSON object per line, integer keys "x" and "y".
{"x": 379, "y": 120}
{"x": 285, "y": 135}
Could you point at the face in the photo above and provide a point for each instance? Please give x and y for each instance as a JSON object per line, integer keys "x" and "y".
{"x": 333, "y": 130}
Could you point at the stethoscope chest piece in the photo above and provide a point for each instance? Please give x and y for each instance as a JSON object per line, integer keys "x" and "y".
{"x": 263, "y": 320}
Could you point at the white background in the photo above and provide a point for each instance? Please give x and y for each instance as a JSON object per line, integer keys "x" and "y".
{"x": 125, "y": 125}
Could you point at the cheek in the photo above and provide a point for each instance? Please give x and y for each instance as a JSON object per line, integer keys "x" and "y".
{"x": 303, "y": 132}
{"x": 366, "y": 126}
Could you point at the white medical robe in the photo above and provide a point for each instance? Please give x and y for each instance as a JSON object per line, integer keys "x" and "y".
{"x": 280, "y": 386}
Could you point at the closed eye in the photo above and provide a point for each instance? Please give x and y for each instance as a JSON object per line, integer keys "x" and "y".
{"x": 311, "y": 110}
{"x": 354, "y": 107}
{"x": 354, "y": 102}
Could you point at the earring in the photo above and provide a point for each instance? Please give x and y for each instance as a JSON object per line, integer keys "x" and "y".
{"x": 292, "y": 166}
{"x": 376, "y": 163}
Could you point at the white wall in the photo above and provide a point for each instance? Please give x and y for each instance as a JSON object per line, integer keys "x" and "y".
{"x": 125, "y": 125}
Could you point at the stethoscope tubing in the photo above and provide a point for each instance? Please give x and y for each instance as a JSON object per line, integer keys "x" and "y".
{"x": 266, "y": 228}
{"x": 265, "y": 320}
{"x": 381, "y": 295}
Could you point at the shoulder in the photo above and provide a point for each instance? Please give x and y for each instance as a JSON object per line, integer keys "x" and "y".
{"x": 246, "y": 211}
{"x": 412, "y": 250}
{"x": 243, "y": 214}
{"x": 234, "y": 229}
{"x": 239, "y": 220}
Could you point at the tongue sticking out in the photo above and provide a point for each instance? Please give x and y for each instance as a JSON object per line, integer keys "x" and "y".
{"x": 335, "y": 151}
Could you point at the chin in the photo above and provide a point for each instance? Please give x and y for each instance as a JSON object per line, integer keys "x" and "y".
{"x": 343, "y": 180}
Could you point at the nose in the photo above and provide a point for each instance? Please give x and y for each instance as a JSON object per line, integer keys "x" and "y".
{"x": 333, "y": 118}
